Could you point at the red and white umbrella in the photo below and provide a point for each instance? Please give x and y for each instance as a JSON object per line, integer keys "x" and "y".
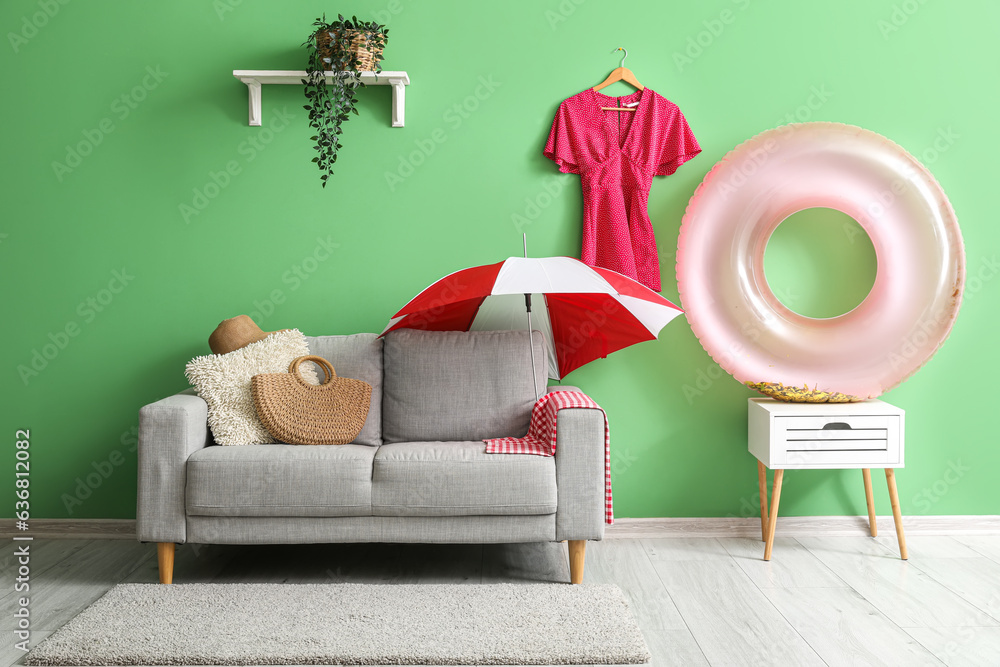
{"x": 584, "y": 312}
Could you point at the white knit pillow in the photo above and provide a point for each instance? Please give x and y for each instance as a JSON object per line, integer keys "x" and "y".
{"x": 223, "y": 380}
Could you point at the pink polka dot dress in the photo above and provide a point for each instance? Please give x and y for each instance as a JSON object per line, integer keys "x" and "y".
{"x": 617, "y": 153}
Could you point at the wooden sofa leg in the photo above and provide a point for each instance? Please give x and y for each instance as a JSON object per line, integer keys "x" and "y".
{"x": 165, "y": 558}
{"x": 577, "y": 553}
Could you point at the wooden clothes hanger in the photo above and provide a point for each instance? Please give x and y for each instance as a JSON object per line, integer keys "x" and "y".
{"x": 621, "y": 73}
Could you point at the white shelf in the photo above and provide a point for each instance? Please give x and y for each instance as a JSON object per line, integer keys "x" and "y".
{"x": 254, "y": 78}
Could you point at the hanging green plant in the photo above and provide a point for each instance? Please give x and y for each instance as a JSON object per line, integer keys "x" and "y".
{"x": 344, "y": 47}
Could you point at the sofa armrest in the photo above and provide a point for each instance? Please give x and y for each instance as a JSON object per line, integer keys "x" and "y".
{"x": 579, "y": 473}
{"x": 170, "y": 430}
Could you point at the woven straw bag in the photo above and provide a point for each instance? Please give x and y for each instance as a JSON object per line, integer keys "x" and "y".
{"x": 299, "y": 413}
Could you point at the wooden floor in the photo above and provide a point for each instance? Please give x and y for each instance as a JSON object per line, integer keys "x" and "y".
{"x": 699, "y": 601}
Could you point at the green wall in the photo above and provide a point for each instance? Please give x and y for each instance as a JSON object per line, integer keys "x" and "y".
{"x": 100, "y": 245}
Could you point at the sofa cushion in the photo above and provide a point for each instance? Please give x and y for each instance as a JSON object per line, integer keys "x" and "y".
{"x": 360, "y": 357}
{"x": 223, "y": 380}
{"x": 460, "y": 479}
{"x": 458, "y": 385}
{"x": 280, "y": 480}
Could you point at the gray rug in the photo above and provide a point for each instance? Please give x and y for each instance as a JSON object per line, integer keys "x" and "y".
{"x": 363, "y": 624}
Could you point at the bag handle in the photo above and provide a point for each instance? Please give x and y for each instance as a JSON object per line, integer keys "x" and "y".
{"x": 293, "y": 368}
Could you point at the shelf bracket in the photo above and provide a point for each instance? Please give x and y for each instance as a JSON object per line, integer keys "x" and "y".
{"x": 398, "y": 102}
{"x": 253, "y": 93}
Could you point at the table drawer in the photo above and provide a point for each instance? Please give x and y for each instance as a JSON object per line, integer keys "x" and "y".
{"x": 832, "y": 422}
{"x": 828, "y": 433}
{"x": 827, "y": 440}
{"x": 856, "y": 458}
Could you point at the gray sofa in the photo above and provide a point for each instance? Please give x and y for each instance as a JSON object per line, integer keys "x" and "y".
{"x": 417, "y": 472}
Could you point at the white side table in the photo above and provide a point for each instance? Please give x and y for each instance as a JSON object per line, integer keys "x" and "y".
{"x": 821, "y": 436}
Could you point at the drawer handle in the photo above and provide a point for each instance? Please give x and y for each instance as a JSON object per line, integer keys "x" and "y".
{"x": 837, "y": 426}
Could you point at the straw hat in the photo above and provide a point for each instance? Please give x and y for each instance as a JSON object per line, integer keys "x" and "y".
{"x": 234, "y": 333}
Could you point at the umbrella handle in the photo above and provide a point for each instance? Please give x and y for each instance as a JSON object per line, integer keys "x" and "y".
{"x": 531, "y": 345}
{"x": 527, "y": 307}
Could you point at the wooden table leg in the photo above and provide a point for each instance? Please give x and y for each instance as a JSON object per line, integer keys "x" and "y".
{"x": 165, "y": 559}
{"x": 773, "y": 519}
{"x": 762, "y": 486}
{"x": 897, "y": 516}
{"x": 867, "y": 473}
{"x": 577, "y": 554}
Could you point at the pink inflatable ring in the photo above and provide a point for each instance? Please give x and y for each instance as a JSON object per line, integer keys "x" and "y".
{"x": 918, "y": 245}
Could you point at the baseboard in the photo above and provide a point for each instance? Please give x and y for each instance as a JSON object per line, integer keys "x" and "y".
{"x": 75, "y": 529}
{"x": 985, "y": 524}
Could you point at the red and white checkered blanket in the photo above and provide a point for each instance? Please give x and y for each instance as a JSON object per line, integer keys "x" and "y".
{"x": 541, "y": 438}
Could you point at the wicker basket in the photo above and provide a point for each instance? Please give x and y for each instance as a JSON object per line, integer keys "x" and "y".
{"x": 299, "y": 413}
{"x": 368, "y": 55}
